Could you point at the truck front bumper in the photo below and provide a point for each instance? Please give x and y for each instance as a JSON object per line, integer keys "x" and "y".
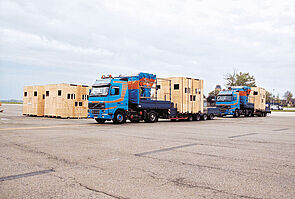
{"x": 99, "y": 113}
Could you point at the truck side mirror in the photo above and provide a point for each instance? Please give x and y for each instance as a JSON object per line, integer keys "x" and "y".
{"x": 113, "y": 91}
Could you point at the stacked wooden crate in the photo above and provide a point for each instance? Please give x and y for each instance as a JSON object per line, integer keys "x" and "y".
{"x": 258, "y": 97}
{"x": 33, "y": 102}
{"x": 186, "y": 93}
{"x": 66, "y": 100}
{"x": 57, "y": 100}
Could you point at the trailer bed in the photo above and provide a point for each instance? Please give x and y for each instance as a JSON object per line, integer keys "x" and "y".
{"x": 154, "y": 104}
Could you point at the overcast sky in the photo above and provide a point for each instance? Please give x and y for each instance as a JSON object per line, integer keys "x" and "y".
{"x": 77, "y": 41}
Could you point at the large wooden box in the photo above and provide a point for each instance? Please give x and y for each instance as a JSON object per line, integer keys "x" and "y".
{"x": 66, "y": 100}
{"x": 186, "y": 93}
{"x": 33, "y": 100}
{"x": 258, "y": 97}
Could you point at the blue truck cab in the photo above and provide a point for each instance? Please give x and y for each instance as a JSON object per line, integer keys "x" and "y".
{"x": 235, "y": 102}
{"x": 108, "y": 99}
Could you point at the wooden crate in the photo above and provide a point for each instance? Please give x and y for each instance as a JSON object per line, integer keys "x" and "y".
{"x": 258, "y": 97}
{"x": 186, "y": 93}
{"x": 33, "y": 101}
{"x": 66, "y": 100}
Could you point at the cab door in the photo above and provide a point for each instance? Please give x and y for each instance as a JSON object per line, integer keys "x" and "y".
{"x": 236, "y": 100}
{"x": 113, "y": 99}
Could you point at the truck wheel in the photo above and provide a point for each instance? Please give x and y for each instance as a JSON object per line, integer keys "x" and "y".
{"x": 119, "y": 117}
{"x": 151, "y": 117}
{"x": 246, "y": 113}
{"x": 211, "y": 117}
{"x": 197, "y": 117}
{"x": 204, "y": 117}
{"x": 189, "y": 118}
{"x": 237, "y": 114}
{"x": 100, "y": 121}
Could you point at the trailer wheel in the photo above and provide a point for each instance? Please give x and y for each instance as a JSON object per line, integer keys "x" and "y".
{"x": 237, "y": 113}
{"x": 250, "y": 113}
{"x": 189, "y": 118}
{"x": 246, "y": 113}
{"x": 119, "y": 117}
{"x": 100, "y": 121}
{"x": 211, "y": 117}
{"x": 197, "y": 117}
{"x": 152, "y": 117}
{"x": 205, "y": 117}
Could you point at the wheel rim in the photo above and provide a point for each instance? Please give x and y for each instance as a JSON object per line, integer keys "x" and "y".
{"x": 152, "y": 117}
{"x": 198, "y": 117}
{"x": 120, "y": 117}
{"x": 205, "y": 117}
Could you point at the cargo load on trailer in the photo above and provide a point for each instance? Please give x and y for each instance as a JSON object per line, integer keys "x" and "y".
{"x": 186, "y": 93}
{"x": 258, "y": 98}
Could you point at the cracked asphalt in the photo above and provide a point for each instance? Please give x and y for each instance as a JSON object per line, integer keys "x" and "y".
{"x": 70, "y": 158}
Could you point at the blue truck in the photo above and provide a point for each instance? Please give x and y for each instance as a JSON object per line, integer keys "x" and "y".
{"x": 129, "y": 97}
{"x": 235, "y": 102}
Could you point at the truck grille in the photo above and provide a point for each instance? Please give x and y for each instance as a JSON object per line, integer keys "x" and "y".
{"x": 95, "y": 112}
{"x": 96, "y": 105}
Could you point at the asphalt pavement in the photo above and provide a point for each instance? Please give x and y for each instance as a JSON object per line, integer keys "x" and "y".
{"x": 222, "y": 158}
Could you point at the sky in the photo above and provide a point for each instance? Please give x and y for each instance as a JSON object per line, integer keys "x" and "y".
{"x": 77, "y": 41}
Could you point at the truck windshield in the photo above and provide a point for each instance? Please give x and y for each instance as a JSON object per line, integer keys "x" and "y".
{"x": 224, "y": 98}
{"x": 100, "y": 91}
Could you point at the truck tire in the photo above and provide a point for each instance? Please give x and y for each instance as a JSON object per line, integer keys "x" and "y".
{"x": 250, "y": 113}
{"x": 152, "y": 117}
{"x": 197, "y": 117}
{"x": 237, "y": 113}
{"x": 189, "y": 118}
{"x": 205, "y": 117}
{"x": 119, "y": 117}
{"x": 247, "y": 113}
{"x": 211, "y": 117}
{"x": 100, "y": 121}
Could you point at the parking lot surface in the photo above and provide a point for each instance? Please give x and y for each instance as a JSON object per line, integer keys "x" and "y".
{"x": 222, "y": 158}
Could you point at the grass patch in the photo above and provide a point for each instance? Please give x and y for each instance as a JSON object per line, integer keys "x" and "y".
{"x": 282, "y": 110}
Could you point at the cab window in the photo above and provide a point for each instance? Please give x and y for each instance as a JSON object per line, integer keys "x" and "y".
{"x": 115, "y": 91}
